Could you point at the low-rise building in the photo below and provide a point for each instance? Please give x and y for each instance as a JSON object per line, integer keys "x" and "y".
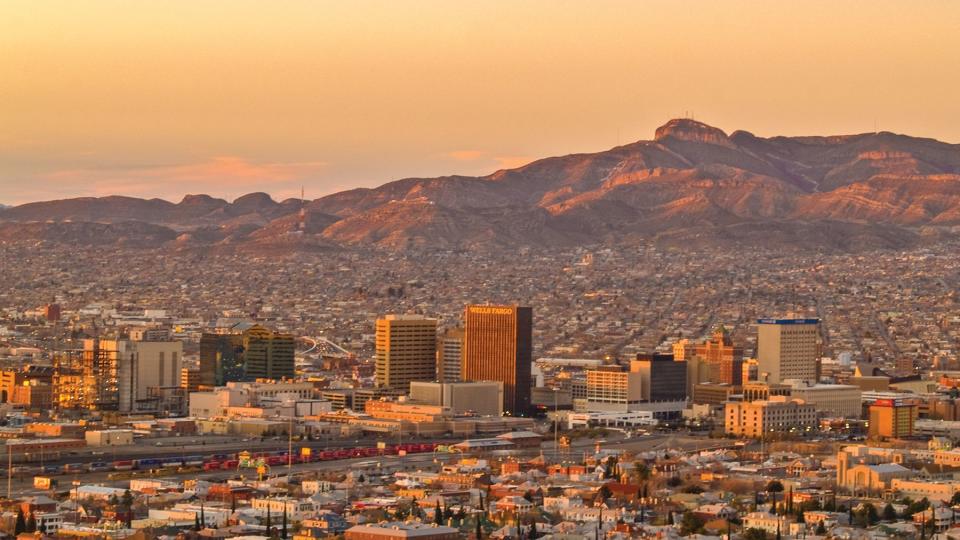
{"x": 778, "y": 414}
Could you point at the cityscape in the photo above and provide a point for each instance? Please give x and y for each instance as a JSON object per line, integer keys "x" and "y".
{"x": 438, "y": 270}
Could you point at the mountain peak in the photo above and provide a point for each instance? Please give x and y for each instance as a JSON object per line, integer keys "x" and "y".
{"x": 686, "y": 129}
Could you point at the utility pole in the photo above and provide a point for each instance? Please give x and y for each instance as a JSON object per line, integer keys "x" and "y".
{"x": 9, "y": 470}
{"x": 290, "y": 444}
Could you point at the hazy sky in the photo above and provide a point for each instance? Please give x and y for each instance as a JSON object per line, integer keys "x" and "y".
{"x": 163, "y": 98}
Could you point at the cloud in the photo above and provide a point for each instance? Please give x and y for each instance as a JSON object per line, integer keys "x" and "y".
{"x": 466, "y": 155}
{"x": 229, "y": 176}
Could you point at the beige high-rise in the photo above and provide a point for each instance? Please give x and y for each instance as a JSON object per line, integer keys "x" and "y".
{"x": 788, "y": 349}
{"x": 406, "y": 351}
{"x": 450, "y": 355}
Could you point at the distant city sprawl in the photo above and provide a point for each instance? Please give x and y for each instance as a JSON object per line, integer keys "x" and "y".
{"x": 649, "y": 392}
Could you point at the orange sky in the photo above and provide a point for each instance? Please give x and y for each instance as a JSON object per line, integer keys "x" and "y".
{"x": 162, "y": 98}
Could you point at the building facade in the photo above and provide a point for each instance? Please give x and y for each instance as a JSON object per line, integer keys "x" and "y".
{"x": 613, "y": 389}
{"x": 788, "y": 349}
{"x": 406, "y": 350}
{"x": 498, "y": 346}
{"x": 450, "y": 355}
{"x": 779, "y": 414}
{"x": 661, "y": 377}
{"x": 268, "y": 354}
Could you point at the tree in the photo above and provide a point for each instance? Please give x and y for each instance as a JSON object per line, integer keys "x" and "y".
{"x": 113, "y": 500}
{"x": 196, "y": 522}
{"x": 889, "y": 514}
{"x": 754, "y": 533}
{"x": 31, "y": 523}
{"x": 283, "y": 527}
{"x": 821, "y": 529}
{"x": 533, "y": 531}
{"x": 21, "y": 524}
{"x": 690, "y": 523}
{"x": 268, "y": 519}
{"x": 956, "y": 496}
{"x": 641, "y": 471}
{"x": 674, "y": 481}
{"x": 203, "y": 516}
{"x": 479, "y": 529}
{"x": 438, "y": 515}
{"x": 774, "y": 486}
{"x": 870, "y": 514}
{"x": 127, "y": 499}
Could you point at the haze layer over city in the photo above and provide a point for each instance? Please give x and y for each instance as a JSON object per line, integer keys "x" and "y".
{"x": 434, "y": 270}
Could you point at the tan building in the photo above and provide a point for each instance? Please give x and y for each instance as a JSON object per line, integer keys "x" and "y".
{"x": 401, "y": 531}
{"x": 873, "y": 479}
{"x": 483, "y": 398}
{"x": 498, "y": 346}
{"x": 713, "y": 393}
{"x": 929, "y": 489}
{"x": 613, "y": 389}
{"x": 779, "y": 414}
{"x": 760, "y": 391}
{"x": 892, "y": 418}
{"x": 190, "y": 379}
{"x": 830, "y": 399}
{"x": 788, "y": 349}
{"x": 126, "y": 371}
{"x": 406, "y": 351}
{"x": 109, "y": 437}
{"x": 450, "y": 355}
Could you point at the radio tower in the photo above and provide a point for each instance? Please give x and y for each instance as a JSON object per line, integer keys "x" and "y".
{"x": 302, "y": 226}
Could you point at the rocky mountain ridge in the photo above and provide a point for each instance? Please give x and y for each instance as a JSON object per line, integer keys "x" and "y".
{"x": 692, "y": 182}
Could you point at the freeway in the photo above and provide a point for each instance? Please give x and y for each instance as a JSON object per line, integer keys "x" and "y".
{"x": 22, "y": 483}
{"x": 206, "y": 445}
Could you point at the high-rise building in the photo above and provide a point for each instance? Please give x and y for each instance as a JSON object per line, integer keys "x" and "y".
{"x": 498, "y": 346}
{"x": 788, "y": 349}
{"x": 406, "y": 351}
{"x": 115, "y": 374}
{"x": 221, "y": 359}
{"x": 268, "y": 354}
{"x": 892, "y": 418}
{"x": 613, "y": 389}
{"x": 723, "y": 360}
{"x": 662, "y": 377}
{"x": 450, "y": 355}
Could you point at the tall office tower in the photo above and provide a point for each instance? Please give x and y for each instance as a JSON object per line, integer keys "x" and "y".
{"x": 662, "y": 377}
{"x": 788, "y": 349}
{"x": 613, "y": 389}
{"x": 406, "y": 351}
{"x": 498, "y": 346}
{"x": 221, "y": 359}
{"x": 267, "y": 354}
{"x": 118, "y": 374}
{"x": 723, "y": 360}
{"x": 450, "y": 355}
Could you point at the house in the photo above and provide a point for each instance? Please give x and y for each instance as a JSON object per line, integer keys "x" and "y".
{"x": 513, "y": 503}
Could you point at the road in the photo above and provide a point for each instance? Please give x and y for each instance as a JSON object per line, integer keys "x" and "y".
{"x": 22, "y": 484}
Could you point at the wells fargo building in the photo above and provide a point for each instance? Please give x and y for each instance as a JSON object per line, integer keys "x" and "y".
{"x": 498, "y": 346}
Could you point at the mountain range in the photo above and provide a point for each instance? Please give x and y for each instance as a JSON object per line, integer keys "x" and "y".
{"x": 692, "y": 185}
